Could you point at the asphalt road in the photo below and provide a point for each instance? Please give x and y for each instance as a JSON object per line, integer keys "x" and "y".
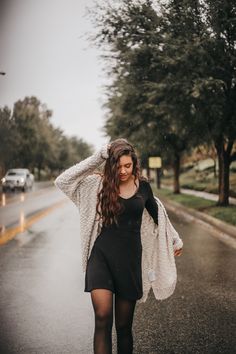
{"x": 18, "y": 209}
{"x": 43, "y": 308}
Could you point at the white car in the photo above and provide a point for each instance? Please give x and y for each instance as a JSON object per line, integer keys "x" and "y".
{"x": 17, "y": 178}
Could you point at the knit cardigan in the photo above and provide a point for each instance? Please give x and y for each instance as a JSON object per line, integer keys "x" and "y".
{"x": 81, "y": 184}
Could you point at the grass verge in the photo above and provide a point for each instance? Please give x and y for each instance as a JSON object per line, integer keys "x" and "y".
{"x": 226, "y": 214}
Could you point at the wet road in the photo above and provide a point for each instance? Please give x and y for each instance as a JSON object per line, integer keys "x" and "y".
{"x": 43, "y": 308}
{"x": 15, "y": 205}
{"x": 200, "y": 317}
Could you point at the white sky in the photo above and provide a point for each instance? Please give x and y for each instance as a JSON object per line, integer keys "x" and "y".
{"x": 44, "y": 52}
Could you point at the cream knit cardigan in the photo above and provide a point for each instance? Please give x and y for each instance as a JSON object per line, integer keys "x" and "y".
{"x": 81, "y": 185}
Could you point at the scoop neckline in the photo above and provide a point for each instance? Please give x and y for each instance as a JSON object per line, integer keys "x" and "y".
{"x": 133, "y": 194}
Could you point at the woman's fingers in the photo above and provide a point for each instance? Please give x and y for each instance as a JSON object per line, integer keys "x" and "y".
{"x": 178, "y": 252}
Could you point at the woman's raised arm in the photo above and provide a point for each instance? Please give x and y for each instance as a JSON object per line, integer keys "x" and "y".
{"x": 69, "y": 180}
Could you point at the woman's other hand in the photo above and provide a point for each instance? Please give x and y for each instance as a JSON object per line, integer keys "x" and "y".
{"x": 178, "y": 252}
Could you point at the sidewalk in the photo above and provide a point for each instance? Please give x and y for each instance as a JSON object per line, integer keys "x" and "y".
{"x": 205, "y": 195}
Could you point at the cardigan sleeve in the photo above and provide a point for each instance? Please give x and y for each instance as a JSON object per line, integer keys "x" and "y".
{"x": 177, "y": 241}
{"x": 70, "y": 180}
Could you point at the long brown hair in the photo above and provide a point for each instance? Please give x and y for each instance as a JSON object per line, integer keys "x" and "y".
{"x": 108, "y": 205}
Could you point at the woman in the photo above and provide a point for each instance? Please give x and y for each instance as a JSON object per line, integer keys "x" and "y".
{"x": 114, "y": 227}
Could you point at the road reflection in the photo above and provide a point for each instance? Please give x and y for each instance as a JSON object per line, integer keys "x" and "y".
{"x": 22, "y": 221}
{"x": 7, "y": 198}
{"x": 25, "y": 209}
{"x": 2, "y": 230}
{"x": 3, "y": 199}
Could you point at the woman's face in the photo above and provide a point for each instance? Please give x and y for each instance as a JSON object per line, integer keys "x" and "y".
{"x": 125, "y": 167}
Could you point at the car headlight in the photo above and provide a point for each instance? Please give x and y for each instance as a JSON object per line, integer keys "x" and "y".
{"x": 22, "y": 180}
{"x": 3, "y": 180}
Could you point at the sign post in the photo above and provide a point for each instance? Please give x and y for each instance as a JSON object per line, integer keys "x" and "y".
{"x": 156, "y": 163}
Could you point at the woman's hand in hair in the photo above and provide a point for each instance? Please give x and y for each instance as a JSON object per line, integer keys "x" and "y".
{"x": 105, "y": 151}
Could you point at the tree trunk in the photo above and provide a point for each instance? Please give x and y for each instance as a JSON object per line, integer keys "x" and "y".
{"x": 2, "y": 170}
{"x": 176, "y": 167}
{"x": 39, "y": 172}
{"x": 224, "y": 164}
{"x": 215, "y": 175}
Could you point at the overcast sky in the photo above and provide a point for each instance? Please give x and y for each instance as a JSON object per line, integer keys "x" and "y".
{"x": 44, "y": 52}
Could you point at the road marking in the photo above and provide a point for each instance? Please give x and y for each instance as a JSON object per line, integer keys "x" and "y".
{"x": 8, "y": 234}
{"x": 20, "y": 198}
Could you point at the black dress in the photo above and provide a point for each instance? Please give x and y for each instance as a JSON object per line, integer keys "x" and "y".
{"x": 116, "y": 257}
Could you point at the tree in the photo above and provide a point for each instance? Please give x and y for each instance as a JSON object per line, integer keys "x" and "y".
{"x": 8, "y": 139}
{"x": 29, "y": 139}
{"x": 215, "y": 92}
{"x": 140, "y": 100}
{"x": 174, "y": 72}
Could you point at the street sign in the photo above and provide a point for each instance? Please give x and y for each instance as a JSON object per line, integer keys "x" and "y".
{"x": 154, "y": 162}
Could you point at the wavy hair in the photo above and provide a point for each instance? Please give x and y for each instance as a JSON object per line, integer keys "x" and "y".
{"x": 108, "y": 205}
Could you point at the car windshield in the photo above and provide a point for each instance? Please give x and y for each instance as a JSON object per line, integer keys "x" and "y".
{"x": 16, "y": 173}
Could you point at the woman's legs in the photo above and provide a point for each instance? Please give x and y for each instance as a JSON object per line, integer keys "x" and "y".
{"x": 124, "y": 312}
{"x": 102, "y": 300}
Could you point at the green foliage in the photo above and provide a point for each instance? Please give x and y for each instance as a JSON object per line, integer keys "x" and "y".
{"x": 224, "y": 214}
{"x": 174, "y": 78}
{"x": 8, "y": 138}
{"x": 28, "y": 139}
{"x": 32, "y": 122}
{"x": 147, "y": 100}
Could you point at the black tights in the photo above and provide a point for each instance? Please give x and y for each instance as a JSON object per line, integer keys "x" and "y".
{"x": 102, "y": 301}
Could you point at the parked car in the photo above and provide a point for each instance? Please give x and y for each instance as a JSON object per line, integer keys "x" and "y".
{"x": 17, "y": 178}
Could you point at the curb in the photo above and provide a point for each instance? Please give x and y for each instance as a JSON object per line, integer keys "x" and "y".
{"x": 221, "y": 229}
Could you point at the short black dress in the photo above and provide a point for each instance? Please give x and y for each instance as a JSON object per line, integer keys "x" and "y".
{"x": 116, "y": 257}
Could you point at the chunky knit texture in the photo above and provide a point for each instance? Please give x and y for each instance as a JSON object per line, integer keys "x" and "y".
{"x": 81, "y": 184}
